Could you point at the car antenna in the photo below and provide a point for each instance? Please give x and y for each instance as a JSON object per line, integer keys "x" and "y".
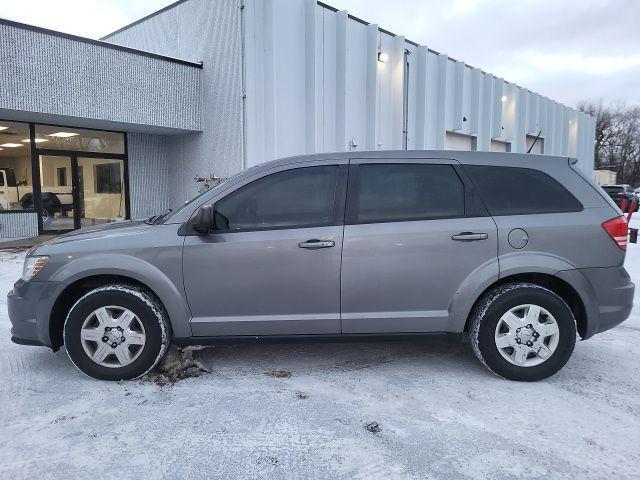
{"x": 534, "y": 141}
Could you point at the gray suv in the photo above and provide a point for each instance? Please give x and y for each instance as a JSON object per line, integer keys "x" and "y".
{"x": 521, "y": 253}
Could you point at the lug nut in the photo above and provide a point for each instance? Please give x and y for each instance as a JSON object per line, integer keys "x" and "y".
{"x": 529, "y": 326}
{"x": 119, "y": 329}
{"x": 104, "y": 339}
{"x": 107, "y": 329}
{"x": 114, "y": 345}
{"x": 518, "y": 341}
{"x": 529, "y": 344}
{"x": 518, "y": 329}
{"x": 122, "y": 338}
{"x": 536, "y": 334}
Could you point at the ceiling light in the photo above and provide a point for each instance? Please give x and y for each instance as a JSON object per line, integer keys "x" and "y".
{"x": 570, "y": 122}
{"x": 504, "y": 98}
{"x": 37, "y": 140}
{"x": 3, "y": 128}
{"x": 383, "y": 57}
{"x": 63, "y": 134}
{"x": 11, "y": 145}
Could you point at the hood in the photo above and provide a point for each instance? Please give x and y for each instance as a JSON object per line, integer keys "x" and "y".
{"x": 114, "y": 229}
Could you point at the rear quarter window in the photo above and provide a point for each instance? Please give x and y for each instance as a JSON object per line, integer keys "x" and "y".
{"x": 520, "y": 191}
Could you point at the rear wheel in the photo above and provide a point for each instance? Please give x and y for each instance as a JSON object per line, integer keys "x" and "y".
{"x": 522, "y": 331}
{"x": 116, "y": 332}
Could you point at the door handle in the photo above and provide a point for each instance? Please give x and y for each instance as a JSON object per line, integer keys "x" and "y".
{"x": 315, "y": 244}
{"x": 469, "y": 237}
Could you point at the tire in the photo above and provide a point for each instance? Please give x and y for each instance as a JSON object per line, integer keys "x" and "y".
{"x": 503, "y": 317}
{"x": 123, "y": 327}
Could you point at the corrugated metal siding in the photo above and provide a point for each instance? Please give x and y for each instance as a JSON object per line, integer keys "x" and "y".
{"x": 14, "y": 225}
{"x": 148, "y": 174}
{"x": 201, "y": 30}
{"x": 53, "y": 75}
{"x": 314, "y": 84}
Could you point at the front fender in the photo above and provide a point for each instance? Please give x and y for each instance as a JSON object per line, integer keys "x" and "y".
{"x": 170, "y": 295}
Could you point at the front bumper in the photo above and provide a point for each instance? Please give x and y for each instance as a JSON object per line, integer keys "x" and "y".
{"x": 28, "y": 305}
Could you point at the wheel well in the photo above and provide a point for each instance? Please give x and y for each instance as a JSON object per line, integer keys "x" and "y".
{"x": 555, "y": 284}
{"x": 72, "y": 293}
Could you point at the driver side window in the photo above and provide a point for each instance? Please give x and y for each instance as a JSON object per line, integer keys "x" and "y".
{"x": 296, "y": 198}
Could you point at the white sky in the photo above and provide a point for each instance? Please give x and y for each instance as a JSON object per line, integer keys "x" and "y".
{"x": 568, "y": 50}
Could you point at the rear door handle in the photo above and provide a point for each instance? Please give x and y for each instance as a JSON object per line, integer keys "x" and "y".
{"x": 469, "y": 237}
{"x": 315, "y": 244}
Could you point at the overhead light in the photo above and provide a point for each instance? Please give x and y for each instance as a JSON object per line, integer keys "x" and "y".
{"x": 3, "y": 128}
{"x": 63, "y": 134}
{"x": 570, "y": 122}
{"x": 11, "y": 145}
{"x": 37, "y": 140}
{"x": 504, "y": 98}
{"x": 383, "y": 57}
{"x": 1, "y": 148}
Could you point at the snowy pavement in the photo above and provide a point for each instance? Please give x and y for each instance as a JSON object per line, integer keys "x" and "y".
{"x": 440, "y": 414}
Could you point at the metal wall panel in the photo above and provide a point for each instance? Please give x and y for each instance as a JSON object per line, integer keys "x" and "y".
{"x": 15, "y": 225}
{"x": 148, "y": 174}
{"x": 361, "y": 99}
{"x": 211, "y": 32}
{"x": 52, "y": 77}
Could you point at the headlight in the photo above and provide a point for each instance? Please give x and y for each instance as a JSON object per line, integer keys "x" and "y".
{"x": 32, "y": 265}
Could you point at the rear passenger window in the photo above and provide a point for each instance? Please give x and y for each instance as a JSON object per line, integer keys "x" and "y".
{"x": 404, "y": 192}
{"x": 519, "y": 191}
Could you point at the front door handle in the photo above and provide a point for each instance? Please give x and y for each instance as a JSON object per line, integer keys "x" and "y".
{"x": 469, "y": 237}
{"x": 315, "y": 244}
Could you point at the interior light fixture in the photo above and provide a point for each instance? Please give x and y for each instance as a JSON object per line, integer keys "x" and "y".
{"x": 37, "y": 140}
{"x": 11, "y": 145}
{"x": 63, "y": 134}
{"x": 570, "y": 122}
{"x": 383, "y": 57}
{"x": 504, "y": 98}
{"x": 3, "y": 128}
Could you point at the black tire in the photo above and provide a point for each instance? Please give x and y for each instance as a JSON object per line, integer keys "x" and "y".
{"x": 495, "y": 304}
{"x": 145, "y": 306}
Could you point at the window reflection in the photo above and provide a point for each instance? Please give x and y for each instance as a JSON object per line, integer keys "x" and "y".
{"x": 78, "y": 139}
{"x": 16, "y": 185}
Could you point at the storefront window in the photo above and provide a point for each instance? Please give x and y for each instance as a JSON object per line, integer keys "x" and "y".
{"x": 16, "y": 181}
{"x": 78, "y": 139}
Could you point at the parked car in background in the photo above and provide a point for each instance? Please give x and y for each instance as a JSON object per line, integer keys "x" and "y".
{"x": 349, "y": 245}
{"x": 623, "y": 196}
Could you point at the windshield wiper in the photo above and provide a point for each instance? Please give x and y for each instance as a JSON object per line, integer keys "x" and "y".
{"x": 153, "y": 219}
{"x": 158, "y": 218}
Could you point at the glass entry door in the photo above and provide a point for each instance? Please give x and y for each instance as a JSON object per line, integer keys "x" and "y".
{"x": 57, "y": 203}
{"x": 78, "y": 192}
{"x": 101, "y": 191}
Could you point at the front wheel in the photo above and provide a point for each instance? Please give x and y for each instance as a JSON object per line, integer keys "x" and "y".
{"x": 522, "y": 331}
{"x": 116, "y": 332}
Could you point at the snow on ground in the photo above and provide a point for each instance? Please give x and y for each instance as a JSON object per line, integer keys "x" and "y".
{"x": 440, "y": 413}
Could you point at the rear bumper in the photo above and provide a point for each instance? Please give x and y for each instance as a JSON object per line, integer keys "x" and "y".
{"x": 607, "y": 294}
{"x": 28, "y": 308}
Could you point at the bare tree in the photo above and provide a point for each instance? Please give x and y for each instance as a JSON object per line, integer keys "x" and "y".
{"x": 617, "y": 144}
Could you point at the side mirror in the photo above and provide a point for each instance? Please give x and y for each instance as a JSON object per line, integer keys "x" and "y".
{"x": 203, "y": 219}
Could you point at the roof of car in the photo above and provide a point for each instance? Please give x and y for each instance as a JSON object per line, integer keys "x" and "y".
{"x": 488, "y": 158}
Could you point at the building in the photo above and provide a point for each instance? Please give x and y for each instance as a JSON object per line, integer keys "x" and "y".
{"x": 95, "y": 131}
{"x": 605, "y": 177}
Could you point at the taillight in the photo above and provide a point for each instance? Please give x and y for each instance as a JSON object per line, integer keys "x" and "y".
{"x": 617, "y": 230}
